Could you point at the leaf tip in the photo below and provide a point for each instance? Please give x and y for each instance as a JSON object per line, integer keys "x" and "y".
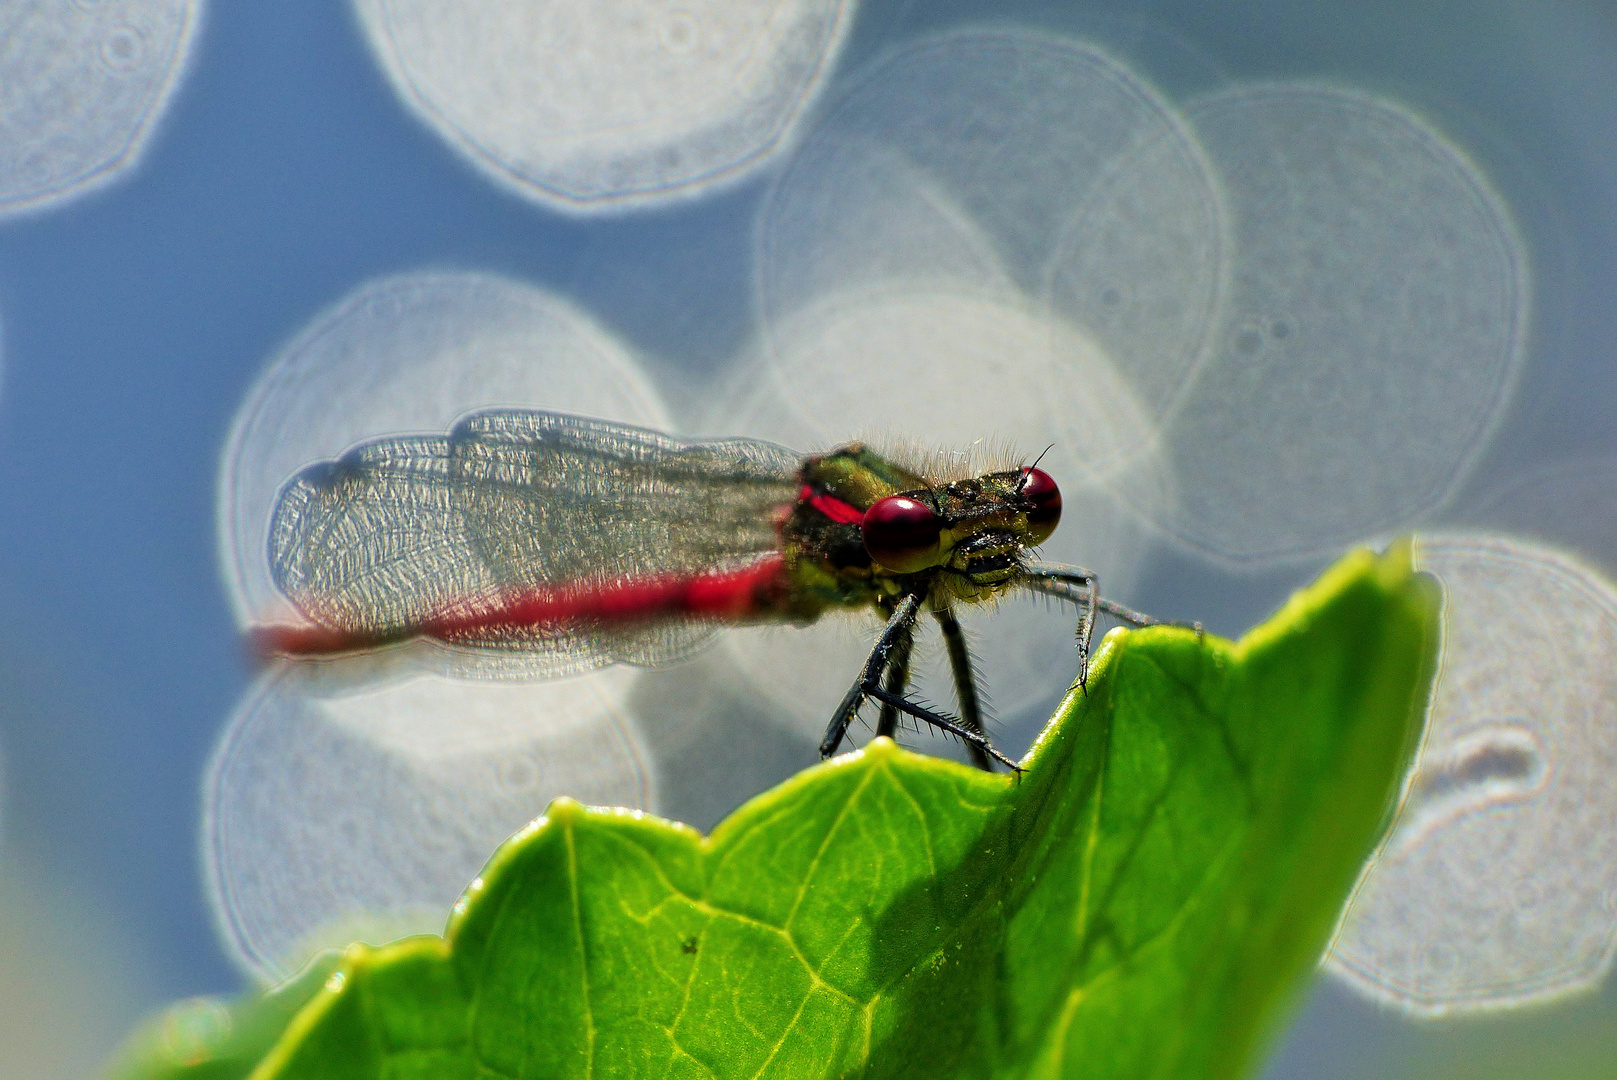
{"x": 881, "y": 748}
{"x": 563, "y": 811}
{"x": 1395, "y": 566}
{"x": 1390, "y": 572}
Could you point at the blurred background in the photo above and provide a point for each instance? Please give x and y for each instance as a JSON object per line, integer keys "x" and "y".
{"x": 1270, "y": 279}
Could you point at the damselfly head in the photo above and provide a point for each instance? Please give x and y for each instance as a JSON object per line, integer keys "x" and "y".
{"x": 977, "y": 527}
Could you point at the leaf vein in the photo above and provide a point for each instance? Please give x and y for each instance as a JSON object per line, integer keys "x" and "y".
{"x": 1080, "y": 991}
{"x": 785, "y": 1034}
{"x": 825, "y": 842}
{"x": 583, "y": 953}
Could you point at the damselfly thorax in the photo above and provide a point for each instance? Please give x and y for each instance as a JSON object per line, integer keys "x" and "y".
{"x": 580, "y": 542}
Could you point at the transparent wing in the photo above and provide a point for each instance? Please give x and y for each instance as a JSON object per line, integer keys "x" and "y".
{"x": 405, "y": 529}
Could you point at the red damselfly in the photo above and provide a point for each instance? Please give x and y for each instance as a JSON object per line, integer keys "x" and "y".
{"x": 581, "y": 542}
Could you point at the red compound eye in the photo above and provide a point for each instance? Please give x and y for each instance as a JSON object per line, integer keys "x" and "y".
{"x": 902, "y": 534}
{"x": 1043, "y": 504}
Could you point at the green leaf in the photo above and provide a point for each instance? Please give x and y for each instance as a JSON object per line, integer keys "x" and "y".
{"x": 209, "y": 1039}
{"x": 1140, "y": 902}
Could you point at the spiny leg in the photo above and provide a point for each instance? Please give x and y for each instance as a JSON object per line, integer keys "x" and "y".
{"x": 965, "y": 683}
{"x": 1086, "y": 580}
{"x": 942, "y": 723}
{"x": 900, "y": 627}
{"x": 896, "y": 682}
{"x": 1079, "y": 586}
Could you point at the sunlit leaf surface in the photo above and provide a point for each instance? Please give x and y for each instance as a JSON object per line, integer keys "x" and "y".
{"x": 1139, "y": 903}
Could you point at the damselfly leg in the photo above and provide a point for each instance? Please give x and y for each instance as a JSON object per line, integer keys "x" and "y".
{"x": 896, "y": 682}
{"x": 1078, "y": 586}
{"x": 965, "y": 682}
{"x": 900, "y": 624}
{"x": 896, "y": 636}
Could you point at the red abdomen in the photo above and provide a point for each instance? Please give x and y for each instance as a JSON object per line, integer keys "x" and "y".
{"x": 735, "y": 595}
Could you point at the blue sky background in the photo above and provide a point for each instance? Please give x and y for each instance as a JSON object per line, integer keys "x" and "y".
{"x": 287, "y": 172}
